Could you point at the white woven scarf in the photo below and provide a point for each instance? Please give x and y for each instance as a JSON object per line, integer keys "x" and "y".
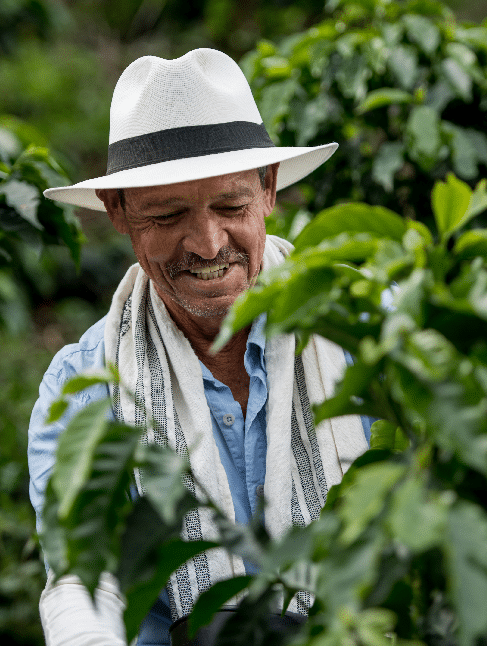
{"x": 158, "y": 364}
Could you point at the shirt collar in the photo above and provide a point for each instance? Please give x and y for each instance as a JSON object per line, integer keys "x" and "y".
{"x": 254, "y": 352}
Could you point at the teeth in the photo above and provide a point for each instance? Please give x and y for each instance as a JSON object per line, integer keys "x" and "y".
{"x": 208, "y": 273}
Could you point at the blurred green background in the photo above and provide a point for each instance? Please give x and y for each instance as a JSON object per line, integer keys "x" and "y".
{"x": 59, "y": 62}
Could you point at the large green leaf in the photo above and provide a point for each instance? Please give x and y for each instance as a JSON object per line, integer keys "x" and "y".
{"x": 143, "y": 593}
{"x": 351, "y": 218}
{"x": 364, "y": 499}
{"x": 417, "y": 517}
{"x": 97, "y": 518}
{"x": 465, "y": 546}
{"x": 212, "y": 600}
{"x": 76, "y": 451}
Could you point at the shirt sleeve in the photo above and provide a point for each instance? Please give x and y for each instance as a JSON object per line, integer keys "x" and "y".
{"x": 69, "y": 617}
{"x": 89, "y": 353}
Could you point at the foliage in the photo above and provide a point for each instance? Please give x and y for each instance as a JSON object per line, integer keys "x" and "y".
{"x": 28, "y": 223}
{"x": 401, "y": 86}
{"x": 22, "y": 573}
{"x": 400, "y": 547}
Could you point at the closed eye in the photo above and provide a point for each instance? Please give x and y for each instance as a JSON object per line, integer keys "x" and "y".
{"x": 233, "y": 209}
{"x": 167, "y": 216}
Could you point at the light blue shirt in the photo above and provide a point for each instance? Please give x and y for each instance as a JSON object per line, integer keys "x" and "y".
{"x": 241, "y": 442}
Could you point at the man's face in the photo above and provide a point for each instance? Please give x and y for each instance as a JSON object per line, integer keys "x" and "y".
{"x": 201, "y": 242}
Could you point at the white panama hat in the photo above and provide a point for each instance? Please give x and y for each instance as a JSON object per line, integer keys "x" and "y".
{"x": 186, "y": 119}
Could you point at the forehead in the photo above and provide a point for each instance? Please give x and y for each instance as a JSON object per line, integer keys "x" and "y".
{"x": 233, "y": 185}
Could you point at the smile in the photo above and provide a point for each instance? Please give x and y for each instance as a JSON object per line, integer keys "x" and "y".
{"x": 209, "y": 273}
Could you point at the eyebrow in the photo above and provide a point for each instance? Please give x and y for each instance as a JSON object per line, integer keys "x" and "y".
{"x": 170, "y": 201}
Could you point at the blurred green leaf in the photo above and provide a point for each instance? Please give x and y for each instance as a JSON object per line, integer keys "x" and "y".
{"x": 450, "y": 201}
{"x": 403, "y": 62}
{"x": 458, "y": 79}
{"x": 210, "y": 601}
{"x": 24, "y": 198}
{"x": 466, "y": 561}
{"x": 423, "y": 131}
{"x": 417, "y": 518}
{"x": 143, "y": 593}
{"x": 85, "y": 380}
{"x": 76, "y": 451}
{"x": 56, "y": 411}
{"x": 163, "y": 480}
{"x": 352, "y": 218}
{"x": 387, "y": 162}
{"x": 385, "y": 435}
{"x": 423, "y": 31}
{"x": 384, "y": 96}
{"x": 364, "y": 499}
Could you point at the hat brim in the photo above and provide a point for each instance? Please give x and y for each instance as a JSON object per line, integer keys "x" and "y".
{"x": 295, "y": 163}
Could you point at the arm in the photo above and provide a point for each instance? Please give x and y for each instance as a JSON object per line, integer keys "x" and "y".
{"x": 67, "y": 613}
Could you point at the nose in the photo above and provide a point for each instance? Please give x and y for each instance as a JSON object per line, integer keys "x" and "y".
{"x": 205, "y": 235}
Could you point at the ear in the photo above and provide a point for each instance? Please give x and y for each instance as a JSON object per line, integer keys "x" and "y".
{"x": 270, "y": 188}
{"x": 111, "y": 200}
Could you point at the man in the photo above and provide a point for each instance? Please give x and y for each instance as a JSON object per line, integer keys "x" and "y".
{"x": 191, "y": 176}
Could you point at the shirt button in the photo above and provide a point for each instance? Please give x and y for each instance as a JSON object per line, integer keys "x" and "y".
{"x": 259, "y": 490}
{"x": 228, "y": 419}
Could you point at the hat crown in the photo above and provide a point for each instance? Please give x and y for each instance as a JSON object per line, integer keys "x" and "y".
{"x": 202, "y": 87}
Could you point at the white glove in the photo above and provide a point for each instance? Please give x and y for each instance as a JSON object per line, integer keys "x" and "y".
{"x": 69, "y": 617}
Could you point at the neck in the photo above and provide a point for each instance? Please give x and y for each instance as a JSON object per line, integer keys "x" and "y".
{"x": 201, "y": 331}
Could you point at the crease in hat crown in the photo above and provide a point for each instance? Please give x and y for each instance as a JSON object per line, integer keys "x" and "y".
{"x": 202, "y": 87}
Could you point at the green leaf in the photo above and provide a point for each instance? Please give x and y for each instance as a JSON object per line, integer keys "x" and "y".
{"x": 423, "y": 136}
{"x": 163, "y": 480}
{"x": 417, "y": 517}
{"x": 403, "y": 62}
{"x": 459, "y": 80}
{"x": 423, "y": 31}
{"x": 210, "y": 601}
{"x": 351, "y": 218}
{"x": 464, "y": 153}
{"x": 57, "y": 410}
{"x": 465, "y": 548}
{"x": 352, "y": 76}
{"x": 53, "y": 535}
{"x": 471, "y": 244}
{"x": 98, "y": 514}
{"x": 364, "y": 499}
{"x": 387, "y": 162}
{"x": 450, "y": 202}
{"x": 383, "y": 96}
{"x": 83, "y": 381}
{"x": 24, "y": 198}
{"x": 351, "y": 394}
{"x": 75, "y": 452}
{"x": 142, "y": 594}
{"x": 274, "y": 104}
{"x": 385, "y": 435}
{"x": 478, "y": 201}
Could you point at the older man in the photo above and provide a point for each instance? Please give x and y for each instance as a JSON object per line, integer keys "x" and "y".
{"x": 191, "y": 176}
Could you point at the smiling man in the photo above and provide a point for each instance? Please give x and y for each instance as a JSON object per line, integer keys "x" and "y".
{"x": 191, "y": 177}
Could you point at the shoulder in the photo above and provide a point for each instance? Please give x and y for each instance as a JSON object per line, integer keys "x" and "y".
{"x": 88, "y": 353}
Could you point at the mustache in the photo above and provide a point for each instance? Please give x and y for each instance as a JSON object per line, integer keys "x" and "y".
{"x": 192, "y": 260}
